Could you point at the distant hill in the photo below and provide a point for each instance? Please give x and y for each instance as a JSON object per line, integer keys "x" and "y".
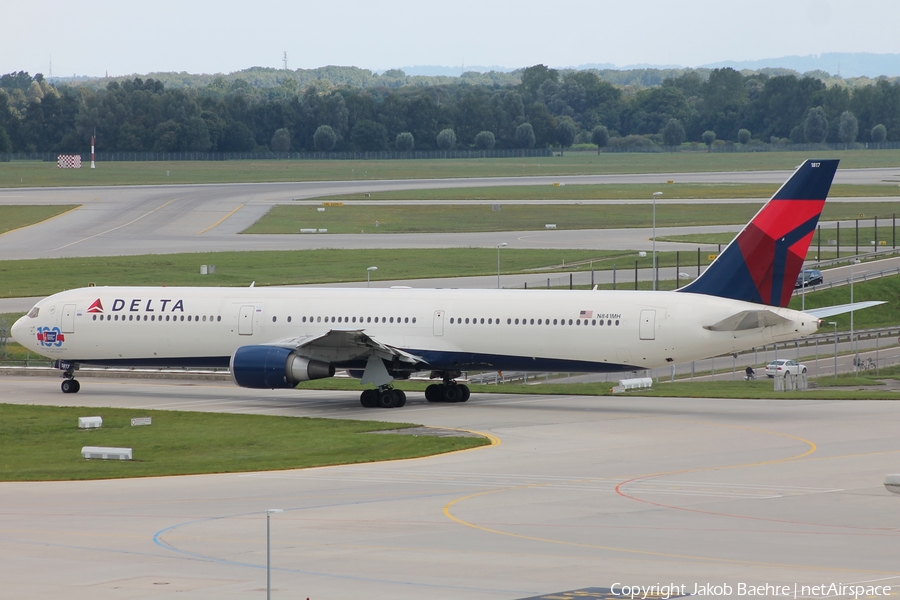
{"x": 441, "y": 71}
{"x": 845, "y": 64}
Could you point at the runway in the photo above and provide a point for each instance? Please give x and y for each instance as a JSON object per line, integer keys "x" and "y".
{"x": 208, "y": 218}
{"x": 580, "y": 492}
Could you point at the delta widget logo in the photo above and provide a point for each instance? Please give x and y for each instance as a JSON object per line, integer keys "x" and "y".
{"x": 96, "y": 307}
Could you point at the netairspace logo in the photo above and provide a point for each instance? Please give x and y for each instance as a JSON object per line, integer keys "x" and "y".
{"x": 720, "y": 590}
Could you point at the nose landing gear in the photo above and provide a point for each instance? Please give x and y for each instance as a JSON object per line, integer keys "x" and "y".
{"x": 69, "y": 384}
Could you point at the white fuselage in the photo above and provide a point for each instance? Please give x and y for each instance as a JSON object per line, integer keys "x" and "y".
{"x": 590, "y": 331}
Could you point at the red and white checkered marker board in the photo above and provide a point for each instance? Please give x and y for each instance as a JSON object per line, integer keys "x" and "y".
{"x": 68, "y": 161}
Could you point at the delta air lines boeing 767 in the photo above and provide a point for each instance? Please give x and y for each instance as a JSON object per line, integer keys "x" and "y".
{"x": 277, "y": 337}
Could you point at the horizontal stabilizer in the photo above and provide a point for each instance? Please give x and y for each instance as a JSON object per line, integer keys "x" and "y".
{"x": 748, "y": 319}
{"x": 830, "y": 311}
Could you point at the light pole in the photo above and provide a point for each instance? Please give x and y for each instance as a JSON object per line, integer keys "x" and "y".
{"x": 852, "y": 347}
{"x": 369, "y": 273}
{"x": 501, "y": 245}
{"x": 835, "y": 347}
{"x": 655, "y": 196}
{"x": 269, "y": 551}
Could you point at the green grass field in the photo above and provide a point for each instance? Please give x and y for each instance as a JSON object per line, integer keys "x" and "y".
{"x": 35, "y": 173}
{"x": 451, "y": 218}
{"x": 625, "y": 191}
{"x": 39, "y": 443}
{"x": 41, "y": 277}
{"x": 18, "y": 216}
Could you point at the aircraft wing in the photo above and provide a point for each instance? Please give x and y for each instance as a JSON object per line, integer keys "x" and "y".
{"x": 748, "y": 319}
{"x": 340, "y": 345}
{"x": 830, "y": 311}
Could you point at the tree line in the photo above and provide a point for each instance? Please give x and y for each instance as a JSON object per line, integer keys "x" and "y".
{"x": 541, "y": 108}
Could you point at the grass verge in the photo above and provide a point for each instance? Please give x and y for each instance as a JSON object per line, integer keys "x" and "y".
{"x": 36, "y": 173}
{"x": 606, "y": 191}
{"x": 41, "y": 277}
{"x": 18, "y": 216}
{"x": 39, "y": 443}
{"x": 455, "y": 218}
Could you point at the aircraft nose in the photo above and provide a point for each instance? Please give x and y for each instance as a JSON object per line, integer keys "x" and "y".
{"x": 19, "y": 330}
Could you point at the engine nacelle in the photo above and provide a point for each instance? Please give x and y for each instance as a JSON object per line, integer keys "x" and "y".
{"x": 270, "y": 367}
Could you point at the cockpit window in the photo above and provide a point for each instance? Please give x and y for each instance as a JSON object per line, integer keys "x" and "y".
{"x": 34, "y": 312}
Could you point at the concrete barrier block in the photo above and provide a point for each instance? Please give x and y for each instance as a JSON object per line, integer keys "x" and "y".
{"x": 636, "y": 383}
{"x": 106, "y": 453}
{"x": 89, "y": 422}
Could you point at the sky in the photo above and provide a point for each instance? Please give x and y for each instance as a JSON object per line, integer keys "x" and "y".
{"x": 96, "y": 37}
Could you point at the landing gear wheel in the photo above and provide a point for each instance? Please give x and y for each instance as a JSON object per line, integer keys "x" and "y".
{"x": 369, "y": 398}
{"x": 70, "y": 386}
{"x": 465, "y": 392}
{"x": 387, "y": 399}
{"x": 401, "y": 398}
{"x": 452, "y": 393}
{"x": 434, "y": 393}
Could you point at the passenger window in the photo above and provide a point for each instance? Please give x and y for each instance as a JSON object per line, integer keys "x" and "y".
{"x": 517, "y": 321}
{"x": 609, "y": 322}
{"x": 273, "y": 319}
{"x": 289, "y": 319}
{"x": 554, "y": 321}
{"x": 508, "y": 321}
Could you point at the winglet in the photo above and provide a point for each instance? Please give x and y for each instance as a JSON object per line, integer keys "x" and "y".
{"x": 762, "y": 263}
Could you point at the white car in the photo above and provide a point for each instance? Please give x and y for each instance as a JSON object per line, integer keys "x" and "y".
{"x": 784, "y": 367}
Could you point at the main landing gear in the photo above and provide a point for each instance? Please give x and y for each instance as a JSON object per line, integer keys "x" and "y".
{"x": 448, "y": 391}
{"x": 383, "y": 397}
{"x": 69, "y": 384}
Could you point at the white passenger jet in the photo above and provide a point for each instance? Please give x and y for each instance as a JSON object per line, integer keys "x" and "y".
{"x": 278, "y": 337}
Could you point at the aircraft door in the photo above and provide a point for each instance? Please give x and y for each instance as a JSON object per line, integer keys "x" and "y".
{"x": 438, "y": 322}
{"x": 68, "y": 318}
{"x": 648, "y": 324}
{"x": 245, "y": 321}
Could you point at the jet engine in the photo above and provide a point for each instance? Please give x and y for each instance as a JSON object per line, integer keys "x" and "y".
{"x": 270, "y": 367}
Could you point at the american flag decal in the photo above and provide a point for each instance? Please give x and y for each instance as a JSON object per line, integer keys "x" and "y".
{"x": 585, "y": 314}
